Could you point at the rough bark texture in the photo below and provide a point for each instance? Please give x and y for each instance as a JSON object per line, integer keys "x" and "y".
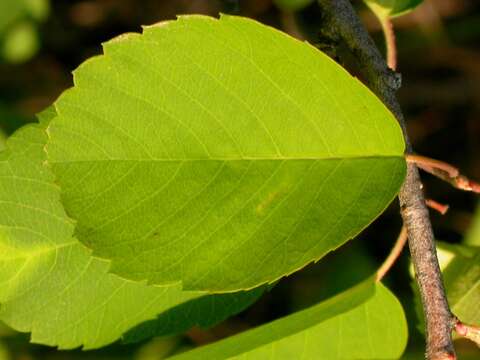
{"x": 342, "y": 23}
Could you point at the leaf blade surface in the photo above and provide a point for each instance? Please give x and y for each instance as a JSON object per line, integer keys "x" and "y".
{"x": 188, "y": 157}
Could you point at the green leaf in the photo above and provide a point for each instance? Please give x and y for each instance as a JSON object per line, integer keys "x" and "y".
{"x": 50, "y": 285}
{"x": 460, "y": 265}
{"x": 384, "y": 9}
{"x": 366, "y": 322}
{"x": 292, "y": 5}
{"x": 473, "y": 234}
{"x": 462, "y": 283}
{"x": 220, "y": 153}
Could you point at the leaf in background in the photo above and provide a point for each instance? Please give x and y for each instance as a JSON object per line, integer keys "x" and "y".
{"x": 187, "y": 154}
{"x": 19, "y": 38}
{"x": 473, "y": 234}
{"x": 462, "y": 283}
{"x": 365, "y": 322}
{"x": 460, "y": 265}
{"x": 20, "y": 43}
{"x": 37, "y": 9}
{"x": 50, "y": 285}
{"x": 10, "y": 11}
{"x": 292, "y": 5}
{"x": 14, "y": 10}
{"x": 384, "y": 9}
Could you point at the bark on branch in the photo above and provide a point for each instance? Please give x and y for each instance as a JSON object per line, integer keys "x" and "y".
{"x": 342, "y": 23}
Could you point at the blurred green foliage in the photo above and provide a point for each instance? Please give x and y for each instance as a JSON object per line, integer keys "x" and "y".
{"x": 19, "y": 37}
{"x": 293, "y": 5}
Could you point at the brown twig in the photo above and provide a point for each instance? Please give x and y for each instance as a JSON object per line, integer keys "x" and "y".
{"x": 402, "y": 240}
{"x": 428, "y": 163}
{"x": 444, "y": 171}
{"x": 393, "y": 256}
{"x": 435, "y": 205}
{"x": 341, "y": 21}
{"x": 390, "y": 42}
{"x": 469, "y": 332}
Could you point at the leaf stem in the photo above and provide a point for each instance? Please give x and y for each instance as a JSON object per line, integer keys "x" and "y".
{"x": 469, "y": 332}
{"x": 428, "y": 163}
{"x": 341, "y": 22}
{"x": 435, "y": 205}
{"x": 444, "y": 171}
{"x": 402, "y": 240}
{"x": 394, "y": 254}
{"x": 390, "y": 42}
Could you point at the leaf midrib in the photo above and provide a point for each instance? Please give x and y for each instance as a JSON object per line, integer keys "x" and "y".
{"x": 225, "y": 159}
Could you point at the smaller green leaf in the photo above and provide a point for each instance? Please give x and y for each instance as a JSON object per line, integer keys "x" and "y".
{"x": 473, "y": 235}
{"x": 462, "y": 283}
{"x": 384, "y": 9}
{"x": 292, "y": 5}
{"x": 460, "y": 265}
{"x": 365, "y": 322}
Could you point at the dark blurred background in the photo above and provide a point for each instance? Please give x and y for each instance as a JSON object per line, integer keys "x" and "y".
{"x": 42, "y": 41}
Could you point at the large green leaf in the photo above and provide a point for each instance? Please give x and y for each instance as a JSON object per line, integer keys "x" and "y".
{"x": 220, "y": 153}
{"x": 366, "y": 322}
{"x": 392, "y": 8}
{"x": 51, "y": 286}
